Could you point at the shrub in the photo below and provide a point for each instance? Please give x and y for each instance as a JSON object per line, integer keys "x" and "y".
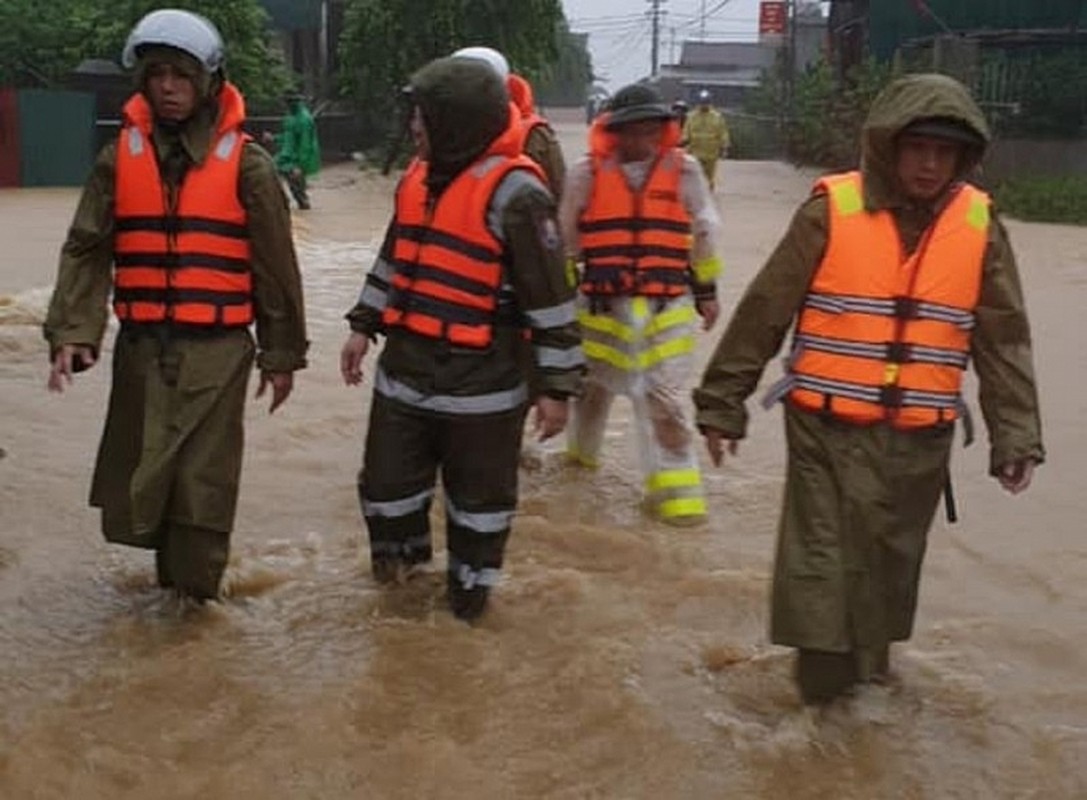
{"x": 1062, "y": 200}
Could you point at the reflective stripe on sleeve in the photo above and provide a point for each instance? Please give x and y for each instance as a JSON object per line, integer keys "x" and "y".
{"x": 553, "y": 316}
{"x": 554, "y": 358}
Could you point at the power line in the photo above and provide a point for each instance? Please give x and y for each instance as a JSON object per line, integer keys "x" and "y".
{"x": 701, "y": 17}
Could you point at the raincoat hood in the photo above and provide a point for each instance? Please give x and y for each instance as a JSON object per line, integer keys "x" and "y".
{"x": 521, "y": 95}
{"x": 465, "y": 108}
{"x": 906, "y": 101}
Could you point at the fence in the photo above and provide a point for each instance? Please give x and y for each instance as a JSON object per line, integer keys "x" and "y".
{"x": 47, "y": 137}
{"x": 754, "y": 137}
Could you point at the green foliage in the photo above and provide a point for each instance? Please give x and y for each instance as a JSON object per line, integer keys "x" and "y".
{"x": 566, "y": 81}
{"x": 754, "y": 138}
{"x": 1062, "y": 200}
{"x": 1051, "y": 96}
{"x": 385, "y": 41}
{"x": 827, "y": 114}
{"x": 41, "y": 43}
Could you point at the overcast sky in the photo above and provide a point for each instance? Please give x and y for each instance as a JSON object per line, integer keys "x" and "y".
{"x": 620, "y": 31}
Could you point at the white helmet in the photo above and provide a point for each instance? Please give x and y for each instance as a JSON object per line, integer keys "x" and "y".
{"x": 172, "y": 27}
{"x": 489, "y": 56}
{"x": 704, "y": 96}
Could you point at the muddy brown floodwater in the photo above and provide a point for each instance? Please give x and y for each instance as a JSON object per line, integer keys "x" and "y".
{"x": 621, "y": 659}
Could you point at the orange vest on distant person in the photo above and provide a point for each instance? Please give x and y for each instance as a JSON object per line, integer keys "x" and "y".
{"x": 522, "y": 96}
{"x": 447, "y": 263}
{"x": 885, "y": 337}
{"x": 191, "y": 265}
{"x": 635, "y": 242}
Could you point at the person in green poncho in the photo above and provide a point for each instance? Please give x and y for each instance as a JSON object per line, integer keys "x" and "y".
{"x": 298, "y": 153}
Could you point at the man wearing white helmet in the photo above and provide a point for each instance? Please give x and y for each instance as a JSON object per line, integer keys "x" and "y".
{"x": 540, "y": 143}
{"x": 184, "y": 222}
{"x": 705, "y": 135}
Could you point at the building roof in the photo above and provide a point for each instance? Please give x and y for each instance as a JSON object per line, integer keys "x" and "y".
{"x": 727, "y": 55}
{"x": 711, "y": 77}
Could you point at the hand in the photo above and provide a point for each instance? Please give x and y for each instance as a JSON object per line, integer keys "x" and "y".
{"x": 551, "y": 415}
{"x": 716, "y": 445}
{"x": 354, "y": 350}
{"x": 709, "y": 310}
{"x": 1015, "y": 476}
{"x": 69, "y": 358}
{"x": 281, "y": 382}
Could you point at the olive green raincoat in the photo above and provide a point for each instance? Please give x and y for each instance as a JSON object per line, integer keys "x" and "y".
{"x": 543, "y": 147}
{"x": 859, "y": 500}
{"x": 170, "y": 457}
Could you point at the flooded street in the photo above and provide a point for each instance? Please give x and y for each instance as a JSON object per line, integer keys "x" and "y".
{"x": 620, "y": 659}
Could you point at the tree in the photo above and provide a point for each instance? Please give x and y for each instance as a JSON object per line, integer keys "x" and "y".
{"x": 41, "y": 43}
{"x": 384, "y": 41}
{"x": 567, "y": 81}
{"x": 823, "y": 125}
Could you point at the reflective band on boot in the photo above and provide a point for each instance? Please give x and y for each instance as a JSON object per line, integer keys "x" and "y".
{"x": 683, "y": 507}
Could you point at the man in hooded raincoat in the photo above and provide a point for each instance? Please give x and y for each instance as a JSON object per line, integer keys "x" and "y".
{"x": 895, "y": 277}
{"x": 540, "y": 142}
{"x": 470, "y": 293}
{"x": 184, "y": 221}
{"x": 298, "y": 153}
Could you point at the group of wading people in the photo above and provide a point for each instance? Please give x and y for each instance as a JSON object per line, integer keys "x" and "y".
{"x": 506, "y": 285}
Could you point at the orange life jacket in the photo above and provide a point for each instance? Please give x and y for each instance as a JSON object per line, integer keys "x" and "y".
{"x": 447, "y": 264}
{"x": 884, "y": 337}
{"x": 635, "y": 242}
{"x": 190, "y": 265}
{"x": 522, "y": 96}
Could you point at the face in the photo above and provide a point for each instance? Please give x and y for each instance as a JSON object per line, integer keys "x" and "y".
{"x": 418, "y": 134}
{"x": 926, "y": 165}
{"x": 638, "y": 141}
{"x": 171, "y": 92}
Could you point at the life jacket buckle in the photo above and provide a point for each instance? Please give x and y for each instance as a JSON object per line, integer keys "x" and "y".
{"x": 891, "y": 396}
{"x": 906, "y": 307}
{"x": 898, "y": 353}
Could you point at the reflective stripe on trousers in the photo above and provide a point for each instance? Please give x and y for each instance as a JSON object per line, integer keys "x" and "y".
{"x": 477, "y": 455}
{"x": 644, "y": 350}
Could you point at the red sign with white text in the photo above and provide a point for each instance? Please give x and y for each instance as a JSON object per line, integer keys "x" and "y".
{"x": 772, "y": 16}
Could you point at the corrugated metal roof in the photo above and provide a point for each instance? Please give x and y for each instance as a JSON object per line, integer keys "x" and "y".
{"x": 726, "y": 55}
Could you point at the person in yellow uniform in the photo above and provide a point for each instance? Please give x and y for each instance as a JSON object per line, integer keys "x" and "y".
{"x": 705, "y": 135}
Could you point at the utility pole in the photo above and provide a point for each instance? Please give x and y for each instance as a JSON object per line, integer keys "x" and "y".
{"x": 790, "y": 63}
{"x": 656, "y": 18}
